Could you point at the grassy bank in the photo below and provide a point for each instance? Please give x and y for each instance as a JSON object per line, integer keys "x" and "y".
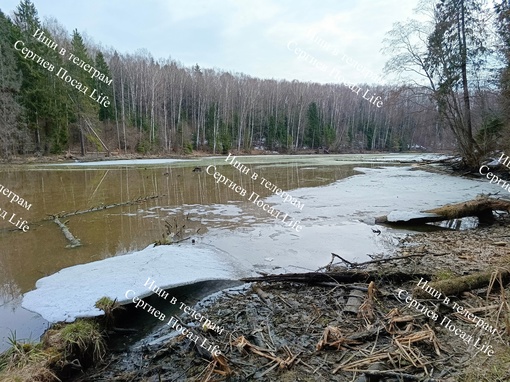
{"x": 64, "y": 350}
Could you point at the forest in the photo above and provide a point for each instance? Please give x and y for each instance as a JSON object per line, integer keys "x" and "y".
{"x": 457, "y": 98}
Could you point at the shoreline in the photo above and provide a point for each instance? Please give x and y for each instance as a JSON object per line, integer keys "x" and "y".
{"x": 293, "y": 295}
{"x": 98, "y": 157}
{"x": 264, "y": 331}
{"x": 337, "y": 321}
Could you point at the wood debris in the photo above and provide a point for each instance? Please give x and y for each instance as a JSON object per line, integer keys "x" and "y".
{"x": 349, "y": 324}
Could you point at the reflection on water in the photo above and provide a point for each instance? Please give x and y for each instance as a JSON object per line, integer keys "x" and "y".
{"x": 183, "y": 194}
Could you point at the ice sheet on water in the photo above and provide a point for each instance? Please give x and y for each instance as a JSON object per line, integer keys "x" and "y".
{"x": 72, "y": 292}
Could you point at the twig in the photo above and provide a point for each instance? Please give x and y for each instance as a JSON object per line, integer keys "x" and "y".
{"x": 386, "y": 260}
{"x": 321, "y": 365}
{"x": 268, "y": 370}
{"x": 313, "y": 319}
{"x": 375, "y": 342}
{"x": 269, "y": 334}
{"x": 283, "y": 300}
{"x": 308, "y": 366}
{"x": 345, "y": 261}
{"x": 178, "y": 241}
{"x": 362, "y": 362}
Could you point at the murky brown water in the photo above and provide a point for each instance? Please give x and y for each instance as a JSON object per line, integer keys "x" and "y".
{"x": 25, "y": 257}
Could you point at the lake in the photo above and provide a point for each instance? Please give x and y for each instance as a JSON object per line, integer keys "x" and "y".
{"x": 339, "y": 195}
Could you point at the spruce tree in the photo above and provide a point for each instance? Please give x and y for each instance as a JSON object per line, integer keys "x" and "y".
{"x": 313, "y": 131}
{"x": 105, "y": 113}
{"x": 33, "y": 96}
{"x": 13, "y": 135}
{"x": 503, "y": 26}
{"x": 42, "y": 93}
{"x": 85, "y": 109}
{"x": 26, "y": 18}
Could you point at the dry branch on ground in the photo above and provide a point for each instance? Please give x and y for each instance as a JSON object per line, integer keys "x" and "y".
{"x": 299, "y": 327}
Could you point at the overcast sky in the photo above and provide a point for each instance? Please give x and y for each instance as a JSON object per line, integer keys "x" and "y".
{"x": 261, "y": 38}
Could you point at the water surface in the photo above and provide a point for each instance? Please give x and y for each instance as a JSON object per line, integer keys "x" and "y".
{"x": 339, "y": 201}
{"x": 184, "y": 197}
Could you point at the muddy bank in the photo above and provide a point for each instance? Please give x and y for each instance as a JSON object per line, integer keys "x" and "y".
{"x": 345, "y": 332}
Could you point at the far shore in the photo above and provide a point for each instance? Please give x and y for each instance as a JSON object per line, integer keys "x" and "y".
{"x": 70, "y": 157}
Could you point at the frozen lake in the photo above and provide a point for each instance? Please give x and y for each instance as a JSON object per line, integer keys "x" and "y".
{"x": 341, "y": 195}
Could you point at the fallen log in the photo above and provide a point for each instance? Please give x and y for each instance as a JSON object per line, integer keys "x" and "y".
{"x": 73, "y": 242}
{"x": 345, "y": 277}
{"x": 457, "y": 285}
{"x": 103, "y": 207}
{"x": 409, "y": 218}
{"x": 482, "y": 207}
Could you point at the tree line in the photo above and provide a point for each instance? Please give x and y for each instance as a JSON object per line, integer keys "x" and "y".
{"x": 161, "y": 106}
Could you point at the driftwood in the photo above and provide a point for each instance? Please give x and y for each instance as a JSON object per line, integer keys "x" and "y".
{"x": 481, "y": 207}
{"x": 73, "y": 242}
{"x": 102, "y": 207}
{"x": 383, "y": 260}
{"x": 340, "y": 277}
{"x": 457, "y": 285}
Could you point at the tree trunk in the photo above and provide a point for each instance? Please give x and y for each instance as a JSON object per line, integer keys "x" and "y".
{"x": 82, "y": 141}
{"x": 481, "y": 207}
{"x": 457, "y": 285}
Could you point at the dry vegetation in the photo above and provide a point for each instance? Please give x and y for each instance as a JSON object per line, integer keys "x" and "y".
{"x": 64, "y": 350}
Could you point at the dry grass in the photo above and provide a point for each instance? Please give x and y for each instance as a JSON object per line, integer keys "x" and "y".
{"x": 109, "y": 307}
{"x": 78, "y": 343}
{"x": 25, "y": 362}
{"x": 493, "y": 369}
{"x": 82, "y": 339}
{"x": 497, "y": 367}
